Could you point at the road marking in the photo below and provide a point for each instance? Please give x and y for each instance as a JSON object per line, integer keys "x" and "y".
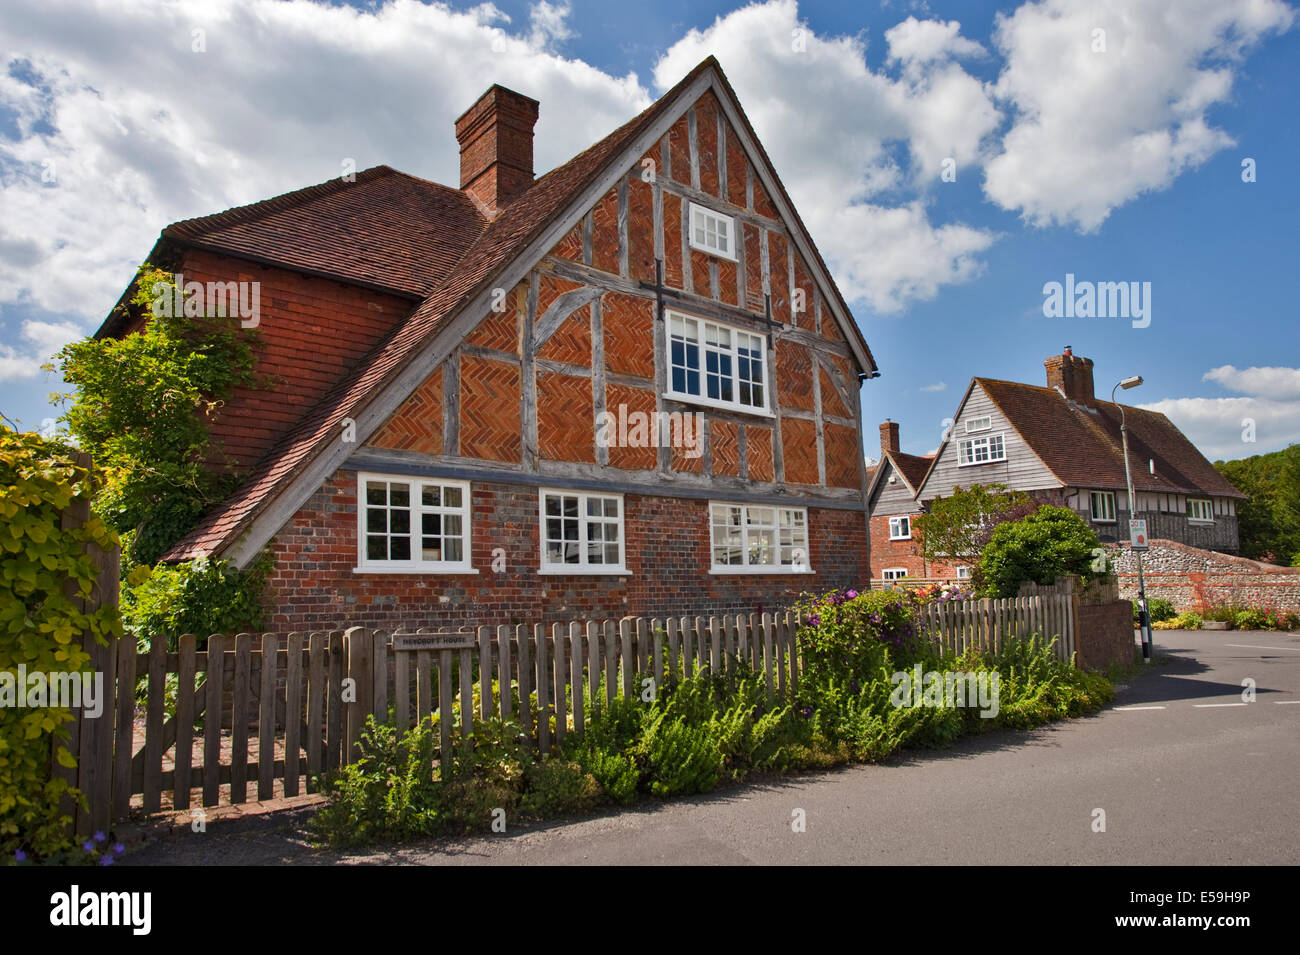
{"x": 1286, "y": 702}
{"x": 1251, "y": 646}
{"x": 1121, "y": 709}
{"x": 1207, "y": 706}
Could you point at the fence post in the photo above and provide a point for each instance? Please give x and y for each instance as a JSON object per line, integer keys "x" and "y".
{"x": 358, "y": 650}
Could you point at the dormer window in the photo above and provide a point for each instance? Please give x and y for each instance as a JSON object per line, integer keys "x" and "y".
{"x": 712, "y": 232}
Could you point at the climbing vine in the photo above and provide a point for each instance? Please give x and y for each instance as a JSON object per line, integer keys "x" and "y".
{"x": 141, "y": 407}
{"x": 45, "y": 572}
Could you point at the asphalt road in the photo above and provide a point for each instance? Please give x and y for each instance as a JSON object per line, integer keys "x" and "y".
{"x": 1185, "y": 774}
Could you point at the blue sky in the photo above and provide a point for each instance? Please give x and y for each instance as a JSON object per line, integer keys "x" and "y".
{"x": 1113, "y": 164}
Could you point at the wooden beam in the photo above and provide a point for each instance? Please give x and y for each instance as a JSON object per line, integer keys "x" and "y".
{"x": 451, "y": 404}
{"x": 528, "y": 380}
{"x": 598, "y": 373}
{"x": 564, "y": 305}
{"x": 593, "y": 477}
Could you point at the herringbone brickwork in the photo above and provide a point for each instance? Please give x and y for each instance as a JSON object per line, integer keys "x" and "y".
{"x": 489, "y": 409}
{"x": 799, "y": 450}
{"x": 417, "y": 426}
{"x": 565, "y": 428}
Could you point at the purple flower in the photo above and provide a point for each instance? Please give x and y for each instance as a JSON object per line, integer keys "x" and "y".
{"x": 106, "y": 860}
{"x": 851, "y": 594}
{"x": 815, "y": 620}
{"x": 88, "y": 846}
{"x": 99, "y": 837}
{"x": 20, "y": 856}
{"x": 118, "y": 848}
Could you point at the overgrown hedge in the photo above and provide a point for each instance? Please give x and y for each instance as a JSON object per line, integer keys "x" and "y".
{"x": 41, "y": 629}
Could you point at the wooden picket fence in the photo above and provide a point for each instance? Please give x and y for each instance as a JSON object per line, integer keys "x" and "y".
{"x": 990, "y": 624}
{"x": 264, "y": 715}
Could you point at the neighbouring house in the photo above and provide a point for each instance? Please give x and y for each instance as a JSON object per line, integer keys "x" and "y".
{"x": 1062, "y": 445}
{"x": 892, "y": 506}
{"x": 628, "y": 386}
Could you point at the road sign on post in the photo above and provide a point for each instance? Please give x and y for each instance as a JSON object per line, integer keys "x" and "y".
{"x": 1137, "y": 534}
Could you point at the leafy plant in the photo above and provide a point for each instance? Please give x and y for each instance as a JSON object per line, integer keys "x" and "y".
{"x": 141, "y": 407}
{"x": 201, "y": 597}
{"x": 45, "y": 571}
{"x": 1041, "y": 548}
{"x": 387, "y": 793}
{"x": 957, "y": 528}
{"x": 559, "y": 787}
{"x": 1158, "y": 609}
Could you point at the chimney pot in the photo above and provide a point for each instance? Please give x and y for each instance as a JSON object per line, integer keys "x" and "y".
{"x": 496, "y": 146}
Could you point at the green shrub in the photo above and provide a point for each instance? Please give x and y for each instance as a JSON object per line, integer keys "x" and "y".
{"x": 1249, "y": 619}
{"x": 680, "y": 758}
{"x": 1158, "y": 609}
{"x": 615, "y": 773}
{"x": 1040, "y": 548}
{"x": 388, "y": 793}
{"x": 559, "y": 787}
{"x": 201, "y": 597}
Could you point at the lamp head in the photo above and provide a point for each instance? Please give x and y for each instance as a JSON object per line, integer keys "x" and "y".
{"x": 1133, "y": 382}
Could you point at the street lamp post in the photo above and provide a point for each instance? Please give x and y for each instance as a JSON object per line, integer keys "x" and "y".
{"x": 1144, "y": 620}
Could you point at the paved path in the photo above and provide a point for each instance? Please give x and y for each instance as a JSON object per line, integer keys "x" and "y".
{"x": 1185, "y": 776}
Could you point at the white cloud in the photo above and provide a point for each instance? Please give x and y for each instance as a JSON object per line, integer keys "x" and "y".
{"x": 42, "y": 340}
{"x": 1221, "y": 427}
{"x": 831, "y": 125}
{"x": 922, "y": 41}
{"x": 937, "y": 386}
{"x": 1094, "y": 130}
{"x": 1269, "y": 382}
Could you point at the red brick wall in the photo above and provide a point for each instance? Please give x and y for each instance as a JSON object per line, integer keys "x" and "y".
{"x": 667, "y": 542}
{"x": 313, "y": 331}
{"x": 904, "y": 553}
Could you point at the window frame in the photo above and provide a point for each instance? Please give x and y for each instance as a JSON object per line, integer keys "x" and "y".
{"x": 584, "y": 568}
{"x": 900, "y": 572}
{"x": 1209, "y": 509}
{"x": 987, "y": 426}
{"x": 1093, "y": 496}
{"x": 414, "y": 482}
{"x": 958, "y": 571}
{"x": 747, "y": 568}
{"x": 765, "y": 372}
{"x": 900, "y": 537}
{"x": 699, "y": 210}
{"x": 988, "y": 440}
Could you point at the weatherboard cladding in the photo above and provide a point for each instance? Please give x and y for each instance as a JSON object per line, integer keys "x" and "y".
{"x": 615, "y": 235}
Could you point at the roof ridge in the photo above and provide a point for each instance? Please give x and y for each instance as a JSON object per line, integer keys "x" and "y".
{"x": 192, "y": 228}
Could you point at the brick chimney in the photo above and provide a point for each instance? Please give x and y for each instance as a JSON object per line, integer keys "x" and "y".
{"x": 1073, "y": 375}
{"x": 496, "y": 146}
{"x": 888, "y": 436}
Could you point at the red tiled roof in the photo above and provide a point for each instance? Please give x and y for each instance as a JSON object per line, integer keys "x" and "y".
{"x": 449, "y": 282}
{"x": 385, "y": 229}
{"x": 913, "y": 467}
{"x": 1082, "y": 447}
